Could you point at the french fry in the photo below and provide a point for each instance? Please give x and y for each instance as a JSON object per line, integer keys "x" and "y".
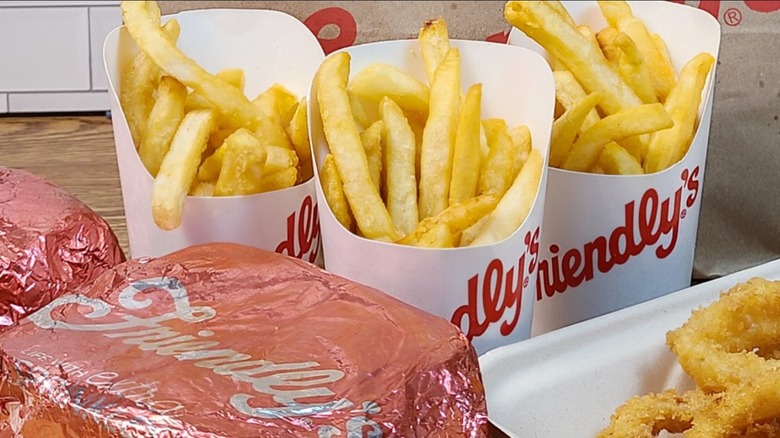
{"x": 466, "y": 155}
{"x": 233, "y": 76}
{"x": 334, "y": 193}
{"x": 242, "y": 166}
{"x": 278, "y": 103}
{"x": 457, "y": 217}
{"x": 614, "y": 11}
{"x": 513, "y": 208}
{"x": 559, "y": 9}
{"x": 371, "y": 139}
{"x": 440, "y": 236}
{"x": 434, "y": 44}
{"x": 279, "y": 180}
{"x": 634, "y": 70}
{"x": 379, "y": 80}
{"x": 177, "y": 171}
{"x": 365, "y": 112}
{"x": 138, "y": 82}
{"x": 607, "y": 39}
{"x": 633, "y": 121}
{"x": 566, "y": 128}
{"x": 298, "y": 130}
{"x": 439, "y": 137}
{"x": 164, "y": 119}
{"x": 400, "y": 156}
{"x": 496, "y": 174}
{"x": 668, "y": 146}
{"x": 203, "y": 189}
{"x": 278, "y": 158}
{"x": 586, "y": 62}
{"x": 662, "y": 72}
{"x": 469, "y": 234}
{"x": 615, "y": 160}
{"x": 569, "y": 92}
{"x": 521, "y": 139}
{"x": 341, "y": 133}
{"x": 150, "y": 38}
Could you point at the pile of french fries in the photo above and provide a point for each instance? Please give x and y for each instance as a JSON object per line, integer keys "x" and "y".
{"x": 621, "y": 107}
{"x": 414, "y": 163}
{"x": 198, "y": 134}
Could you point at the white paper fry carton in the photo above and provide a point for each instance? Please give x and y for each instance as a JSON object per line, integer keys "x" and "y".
{"x": 271, "y": 47}
{"x": 487, "y": 291}
{"x": 611, "y": 241}
{"x": 567, "y": 383}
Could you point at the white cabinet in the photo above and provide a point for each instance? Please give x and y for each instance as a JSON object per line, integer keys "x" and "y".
{"x": 51, "y": 55}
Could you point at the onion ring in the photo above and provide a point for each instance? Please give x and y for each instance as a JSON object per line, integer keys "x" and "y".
{"x": 730, "y": 349}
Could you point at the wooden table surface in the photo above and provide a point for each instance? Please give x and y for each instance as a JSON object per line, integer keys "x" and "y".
{"x": 76, "y": 153}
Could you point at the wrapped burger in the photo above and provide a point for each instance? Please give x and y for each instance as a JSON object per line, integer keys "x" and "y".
{"x": 224, "y": 340}
{"x": 50, "y": 244}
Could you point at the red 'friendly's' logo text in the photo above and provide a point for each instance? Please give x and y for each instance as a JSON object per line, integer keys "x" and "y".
{"x": 643, "y": 227}
{"x": 498, "y": 292}
{"x": 303, "y": 233}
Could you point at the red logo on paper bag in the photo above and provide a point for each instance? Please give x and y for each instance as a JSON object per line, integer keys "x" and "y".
{"x": 303, "y": 233}
{"x": 338, "y": 17}
{"x": 643, "y": 227}
{"x": 498, "y": 292}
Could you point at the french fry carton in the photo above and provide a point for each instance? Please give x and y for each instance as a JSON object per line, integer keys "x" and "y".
{"x": 613, "y": 241}
{"x": 271, "y": 47}
{"x": 487, "y": 291}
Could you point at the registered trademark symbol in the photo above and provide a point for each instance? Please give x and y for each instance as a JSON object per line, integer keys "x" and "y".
{"x": 683, "y": 213}
{"x": 732, "y": 16}
{"x": 526, "y": 280}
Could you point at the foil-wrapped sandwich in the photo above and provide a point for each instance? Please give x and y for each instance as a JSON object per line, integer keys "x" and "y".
{"x": 223, "y": 340}
{"x": 50, "y": 244}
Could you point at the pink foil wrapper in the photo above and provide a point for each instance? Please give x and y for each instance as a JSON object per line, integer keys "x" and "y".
{"x": 50, "y": 244}
{"x": 223, "y": 340}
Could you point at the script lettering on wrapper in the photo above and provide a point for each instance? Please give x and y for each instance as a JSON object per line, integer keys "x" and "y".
{"x": 643, "y": 227}
{"x": 302, "y": 240}
{"x": 289, "y": 385}
{"x": 497, "y": 292}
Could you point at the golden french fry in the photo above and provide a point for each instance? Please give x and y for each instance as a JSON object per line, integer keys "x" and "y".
{"x": 434, "y": 44}
{"x": 177, "y": 171}
{"x": 607, "y": 39}
{"x": 440, "y": 236}
{"x": 229, "y": 101}
{"x": 632, "y": 121}
{"x": 615, "y": 160}
{"x": 343, "y": 137}
{"x": 379, "y": 80}
{"x": 634, "y": 70}
{"x": 566, "y": 128}
{"x": 662, "y": 72}
{"x": 515, "y": 205}
{"x": 457, "y": 217}
{"x": 278, "y": 103}
{"x": 233, "y": 76}
{"x": 636, "y": 145}
{"x": 164, "y": 119}
{"x": 466, "y": 158}
{"x": 670, "y": 145}
{"x": 365, "y": 112}
{"x": 371, "y": 139}
{"x": 400, "y": 156}
{"x": 279, "y": 180}
{"x": 598, "y": 169}
{"x": 203, "y": 189}
{"x": 660, "y": 44}
{"x": 138, "y": 82}
{"x": 588, "y": 33}
{"x": 334, "y": 193}
{"x": 242, "y": 165}
{"x": 471, "y": 233}
{"x": 521, "y": 139}
{"x": 298, "y": 130}
{"x": 614, "y": 10}
{"x": 586, "y": 62}
{"x": 439, "y": 137}
{"x": 278, "y": 158}
{"x": 215, "y": 141}
{"x": 569, "y": 92}
{"x": 561, "y": 10}
{"x": 497, "y": 170}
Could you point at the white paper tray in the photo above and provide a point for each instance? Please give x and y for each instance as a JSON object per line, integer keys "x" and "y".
{"x": 568, "y": 382}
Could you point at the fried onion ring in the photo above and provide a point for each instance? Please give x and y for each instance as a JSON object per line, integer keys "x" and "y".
{"x": 730, "y": 349}
{"x": 721, "y": 345}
